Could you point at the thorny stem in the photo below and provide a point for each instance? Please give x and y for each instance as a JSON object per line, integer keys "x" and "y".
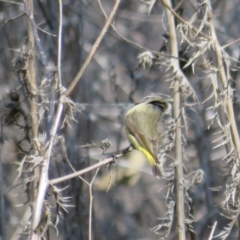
{"x": 44, "y": 181}
{"x": 230, "y": 111}
{"x": 224, "y": 81}
{"x": 177, "y": 114}
{"x": 37, "y": 39}
{"x": 31, "y": 76}
{"x": 183, "y": 21}
{"x": 28, "y": 4}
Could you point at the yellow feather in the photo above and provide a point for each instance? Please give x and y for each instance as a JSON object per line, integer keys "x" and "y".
{"x": 136, "y": 145}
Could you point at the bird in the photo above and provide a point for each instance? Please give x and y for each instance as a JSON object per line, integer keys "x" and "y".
{"x": 141, "y": 125}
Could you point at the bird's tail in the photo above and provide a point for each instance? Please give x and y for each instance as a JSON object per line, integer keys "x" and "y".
{"x": 153, "y": 160}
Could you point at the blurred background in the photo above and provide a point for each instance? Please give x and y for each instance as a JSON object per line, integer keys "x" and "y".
{"x": 128, "y": 201}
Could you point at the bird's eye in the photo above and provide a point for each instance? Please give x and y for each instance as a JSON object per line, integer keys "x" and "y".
{"x": 162, "y": 105}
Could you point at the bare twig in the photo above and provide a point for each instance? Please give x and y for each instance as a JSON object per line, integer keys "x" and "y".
{"x": 50, "y": 34}
{"x": 212, "y": 231}
{"x": 2, "y": 197}
{"x": 69, "y": 163}
{"x": 17, "y": 233}
{"x": 179, "y": 5}
{"x": 60, "y": 43}
{"x": 91, "y": 202}
{"x": 93, "y": 50}
{"x": 85, "y": 170}
{"x": 12, "y": 2}
{"x": 12, "y": 19}
{"x": 231, "y": 43}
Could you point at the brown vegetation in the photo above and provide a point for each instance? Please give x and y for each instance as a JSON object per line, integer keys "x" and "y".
{"x": 70, "y": 70}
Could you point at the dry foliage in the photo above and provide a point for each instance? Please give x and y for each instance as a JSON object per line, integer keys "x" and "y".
{"x": 70, "y": 70}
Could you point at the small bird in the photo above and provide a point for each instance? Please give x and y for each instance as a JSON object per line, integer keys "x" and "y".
{"x": 141, "y": 124}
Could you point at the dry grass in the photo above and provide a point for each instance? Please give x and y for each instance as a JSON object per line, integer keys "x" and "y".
{"x": 63, "y": 172}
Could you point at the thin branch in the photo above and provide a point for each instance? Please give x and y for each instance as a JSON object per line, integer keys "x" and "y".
{"x": 69, "y": 163}
{"x": 50, "y": 34}
{"x": 81, "y": 172}
{"x": 12, "y": 19}
{"x": 231, "y": 43}
{"x": 59, "y": 44}
{"x": 2, "y": 197}
{"x": 13, "y": 2}
{"x": 25, "y": 218}
{"x": 212, "y": 231}
{"x": 91, "y": 201}
{"x": 93, "y": 50}
{"x": 179, "y": 5}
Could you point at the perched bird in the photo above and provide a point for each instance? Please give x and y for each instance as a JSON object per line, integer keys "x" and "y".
{"x": 141, "y": 124}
